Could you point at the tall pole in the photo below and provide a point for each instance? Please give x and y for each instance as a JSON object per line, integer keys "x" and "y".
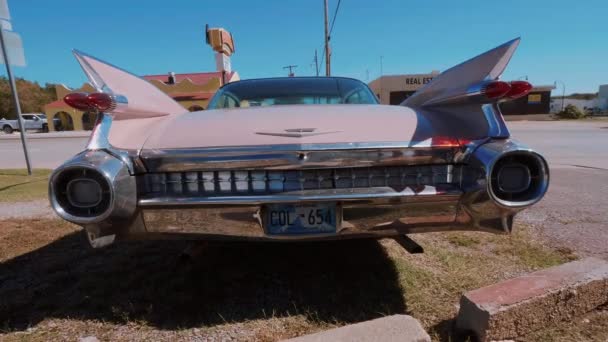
{"x": 381, "y": 73}
{"x": 563, "y": 94}
{"x": 11, "y": 79}
{"x": 316, "y": 63}
{"x": 327, "y": 54}
{"x": 290, "y": 67}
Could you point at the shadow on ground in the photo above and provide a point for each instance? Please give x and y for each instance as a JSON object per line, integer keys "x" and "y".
{"x": 344, "y": 281}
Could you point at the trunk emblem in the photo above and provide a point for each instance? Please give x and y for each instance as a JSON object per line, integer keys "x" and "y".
{"x": 297, "y": 132}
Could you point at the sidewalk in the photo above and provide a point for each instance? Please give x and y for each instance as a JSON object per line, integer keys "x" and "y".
{"x": 529, "y": 117}
{"x": 36, "y": 135}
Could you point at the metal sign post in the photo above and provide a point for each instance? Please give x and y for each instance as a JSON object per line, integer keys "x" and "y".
{"x": 17, "y": 49}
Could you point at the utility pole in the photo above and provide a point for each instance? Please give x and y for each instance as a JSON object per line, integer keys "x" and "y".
{"x": 563, "y": 91}
{"x": 316, "y": 63}
{"x": 381, "y": 73}
{"x": 327, "y": 54}
{"x": 16, "y": 46}
{"x": 290, "y": 67}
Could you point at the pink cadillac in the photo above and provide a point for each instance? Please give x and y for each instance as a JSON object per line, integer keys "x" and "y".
{"x": 290, "y": 159}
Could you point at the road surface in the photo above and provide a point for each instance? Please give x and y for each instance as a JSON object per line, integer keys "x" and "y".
{"x": 573, "y": 213}
{"x": 47, "y": 150}
{"x": 566, "y": 144}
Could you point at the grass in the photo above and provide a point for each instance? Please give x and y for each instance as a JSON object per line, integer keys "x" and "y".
{"x": 53, "y": 287}
{"x": 17, "y": 186}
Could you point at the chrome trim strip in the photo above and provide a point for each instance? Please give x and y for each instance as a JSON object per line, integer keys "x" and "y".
{"x": 99, "y": 141}
{"x": 99, "y": 138}
{"x": 429, "y": 193}
{"x": 497, "y": 128}
{"x": 269, "y": 158}
{"x": 299, "y": 147}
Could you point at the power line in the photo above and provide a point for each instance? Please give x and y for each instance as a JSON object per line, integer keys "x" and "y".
{"x": 333, "y": 21}
{"x": 290, "y": 67}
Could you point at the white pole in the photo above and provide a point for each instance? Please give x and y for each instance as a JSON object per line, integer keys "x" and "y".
{"x": 11, "y": 80}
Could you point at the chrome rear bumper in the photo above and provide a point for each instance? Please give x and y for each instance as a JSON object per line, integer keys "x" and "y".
{"x": 461, "y": 198}
{"x": 370, "y": 213}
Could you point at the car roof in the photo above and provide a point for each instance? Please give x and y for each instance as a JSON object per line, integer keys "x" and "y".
{"x": 295, "y": 78}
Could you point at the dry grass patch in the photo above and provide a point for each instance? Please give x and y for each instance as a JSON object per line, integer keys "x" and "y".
{"x": 454, "y": 263}
{"x": 19, "y": 237}
{"x": 591, "y": 327}
{"x": 55, "y": 288}
{"x": 17, "y": 186}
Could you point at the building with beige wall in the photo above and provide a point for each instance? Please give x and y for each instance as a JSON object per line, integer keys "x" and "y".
{"x": 603, "y": 97}
{"x": 394, "y": 89}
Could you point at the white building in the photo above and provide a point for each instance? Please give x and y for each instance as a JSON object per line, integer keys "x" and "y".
{"x": 603, "y": 97}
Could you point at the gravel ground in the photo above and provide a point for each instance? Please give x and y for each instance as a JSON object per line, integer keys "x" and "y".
{"x": 573, "y": 214}
{"x": 33, "y": 209}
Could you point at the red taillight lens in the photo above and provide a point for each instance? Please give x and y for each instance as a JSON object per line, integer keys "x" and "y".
{"x": 101, "y": 101}
{"x": 90, "y": 102}
{"x": 519, "y": 89}
{"x": 443, "y": 141}
{"x": 496, "y": 89}
{"x": 78, "y": 101}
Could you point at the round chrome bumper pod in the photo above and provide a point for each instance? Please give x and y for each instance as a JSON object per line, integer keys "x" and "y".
{"x": 501, "y": 178}
{"x": 518, "y": 178}
{"x": 92, "y": 187}
{"x": 512, "y": 175}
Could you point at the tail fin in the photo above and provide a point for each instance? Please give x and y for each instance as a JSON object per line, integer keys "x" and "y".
{"x": 458, "y": 99}
{"x": 138, "y": 97}
{"x": 464, "y": 78}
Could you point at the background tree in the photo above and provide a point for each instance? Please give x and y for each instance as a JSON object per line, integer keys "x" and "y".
{"x": 571, "y": 112}
{"x": 32, "y": 97}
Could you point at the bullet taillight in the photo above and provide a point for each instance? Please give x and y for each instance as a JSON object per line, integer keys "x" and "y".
{"x": 78, "y": 101}
{"x": 445, "y": 141}
{"x": 518, "y": 89}
{"x": 98, "y": 102}
{"x": 496, "y": 90}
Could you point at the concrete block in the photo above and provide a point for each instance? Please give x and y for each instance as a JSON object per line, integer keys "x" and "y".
{"x": 400, "y": 328}
{"x": 514, "y": 307}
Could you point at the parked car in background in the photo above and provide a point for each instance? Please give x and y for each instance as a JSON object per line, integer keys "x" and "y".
{"x": 31, "y": 121}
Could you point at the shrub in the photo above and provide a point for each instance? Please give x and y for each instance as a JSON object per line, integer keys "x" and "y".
{"x": 571, "y": 112}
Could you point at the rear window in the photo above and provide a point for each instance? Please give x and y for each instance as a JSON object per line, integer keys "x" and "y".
{"x": 292, "y": 91}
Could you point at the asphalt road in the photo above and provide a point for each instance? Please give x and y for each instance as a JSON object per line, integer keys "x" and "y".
{"x": 47, "y": 150}
{"x": 566, "y": 144}
{"x": 573, "y": 214}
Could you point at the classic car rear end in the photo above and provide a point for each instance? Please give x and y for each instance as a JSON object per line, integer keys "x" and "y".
{"x": 307, "y": 159}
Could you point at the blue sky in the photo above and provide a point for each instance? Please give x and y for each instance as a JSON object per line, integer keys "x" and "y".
{"x": 561, "y": 40}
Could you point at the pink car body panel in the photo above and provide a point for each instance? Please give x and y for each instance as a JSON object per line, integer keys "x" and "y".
{"x": 263, "y": 126}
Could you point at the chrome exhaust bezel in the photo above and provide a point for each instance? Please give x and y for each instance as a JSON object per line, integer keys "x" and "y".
{"x": 539, "y": 193}
{"x": 61, "y": 211}
{"x": 122, "y": 187}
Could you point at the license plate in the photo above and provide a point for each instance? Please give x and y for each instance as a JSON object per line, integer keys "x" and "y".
{"x": 292, "y": 219}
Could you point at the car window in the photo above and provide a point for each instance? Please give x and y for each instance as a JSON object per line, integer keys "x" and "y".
{"x": 358, "y": 97}
{"x": 292, "y": 91}
{"x": 27, "y": 117}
